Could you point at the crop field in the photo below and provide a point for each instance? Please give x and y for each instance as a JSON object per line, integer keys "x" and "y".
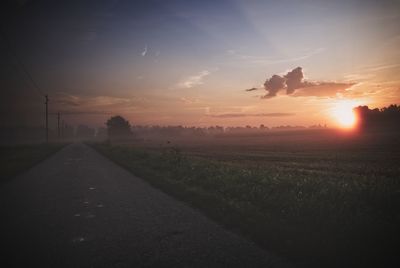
{"x": 319, "y": 199}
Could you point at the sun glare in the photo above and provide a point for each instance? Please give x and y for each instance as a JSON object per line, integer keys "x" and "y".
{"x": 343, "y": 113}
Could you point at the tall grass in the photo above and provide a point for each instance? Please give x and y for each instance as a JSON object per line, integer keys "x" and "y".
{"x": 330, "y": 213}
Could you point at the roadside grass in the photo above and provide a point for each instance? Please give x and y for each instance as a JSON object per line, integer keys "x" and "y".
{"x": 319, "y": 210}
{"x": 18, "y": 158}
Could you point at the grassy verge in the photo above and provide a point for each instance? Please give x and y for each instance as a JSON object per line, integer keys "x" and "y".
{"x": 18, "y": 158}
{"x": 319, "y": 216}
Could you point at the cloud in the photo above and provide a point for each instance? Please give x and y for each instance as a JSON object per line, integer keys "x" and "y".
{"x": 114, "y": 104}
{"x": 251, "y": 89}
{"x": 295, "y": 86}
{"x": 273, "y": 85}
{"x": 323, "y": 89}
{"x": 89, "y": 105}
{"x": 68, "y": 100}
{"x": 270, "y": 61}
{"x": 294, "y": 80}
{"x": 73, "y": 101}
{"x": 144, "y": 51}
{"x": 189, "y": 100}
{"x": 62, "y": 112}
{"x": 382, "y": 67}
{"x": 251, "y": 115}
{"x": 194, "y": 80}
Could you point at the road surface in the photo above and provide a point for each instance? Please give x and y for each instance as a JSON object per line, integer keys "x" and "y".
{"x": 79, "y": 209}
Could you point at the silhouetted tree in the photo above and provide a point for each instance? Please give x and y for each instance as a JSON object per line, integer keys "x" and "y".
{"x": 387, "y": 118}
{"x": 118, "y": 127}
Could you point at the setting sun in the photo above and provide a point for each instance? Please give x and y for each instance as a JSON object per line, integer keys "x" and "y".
{"x": 343, "y": 113}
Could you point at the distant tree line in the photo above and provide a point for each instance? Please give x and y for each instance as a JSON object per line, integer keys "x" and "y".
{"x": 118, "y": 128}
{"x": 387, "y": 118}
{"x": 182, "y": 131}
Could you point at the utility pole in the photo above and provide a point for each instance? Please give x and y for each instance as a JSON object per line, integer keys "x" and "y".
{"x": 47, "y": 117}
{"x": 58, "y": 125}
{"x": 62, "y": 128}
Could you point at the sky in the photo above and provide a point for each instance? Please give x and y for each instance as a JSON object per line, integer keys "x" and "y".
{"x": 197, "y": 63}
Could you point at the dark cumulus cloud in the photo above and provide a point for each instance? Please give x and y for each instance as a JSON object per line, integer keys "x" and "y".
{"x": 295, "y": 85}
{"x": 273, "y": 85}
{"x": 294, "y": 80}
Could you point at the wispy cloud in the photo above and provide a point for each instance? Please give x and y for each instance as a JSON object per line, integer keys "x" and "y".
{"x": 323, "y": 89}
{"x": 194, "y": 80}
{"x": 267, "y": 61}
{"x": 86, "y": 101}
{"x": 235, "y": 115}
{"x": 144, "y": 51}
{"x": 382, "y": 67}
{"x": 116, "y": 104}
{"x": 67, "y": 112}
{"x": 187, "y": 100}
{"x": 251, "y": 89}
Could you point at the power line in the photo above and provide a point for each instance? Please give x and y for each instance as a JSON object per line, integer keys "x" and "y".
{"x": 21, "y": 64}
{"x": 47, "y": 117}
{"x": 27, "y": 73}
{"x": 58, "y": 125}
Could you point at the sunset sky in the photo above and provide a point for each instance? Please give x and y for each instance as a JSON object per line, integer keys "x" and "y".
{"x": 198, "y": 63}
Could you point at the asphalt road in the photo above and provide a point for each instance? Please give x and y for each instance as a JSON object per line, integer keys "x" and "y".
{"x": 78, "y": 209}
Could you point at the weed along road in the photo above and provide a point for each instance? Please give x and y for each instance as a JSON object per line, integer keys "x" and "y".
{"x": 78, "y": 209}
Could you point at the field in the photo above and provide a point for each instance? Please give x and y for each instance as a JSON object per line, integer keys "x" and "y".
{"x": 319, "y": 198}
{"x": 17, "y": 158}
